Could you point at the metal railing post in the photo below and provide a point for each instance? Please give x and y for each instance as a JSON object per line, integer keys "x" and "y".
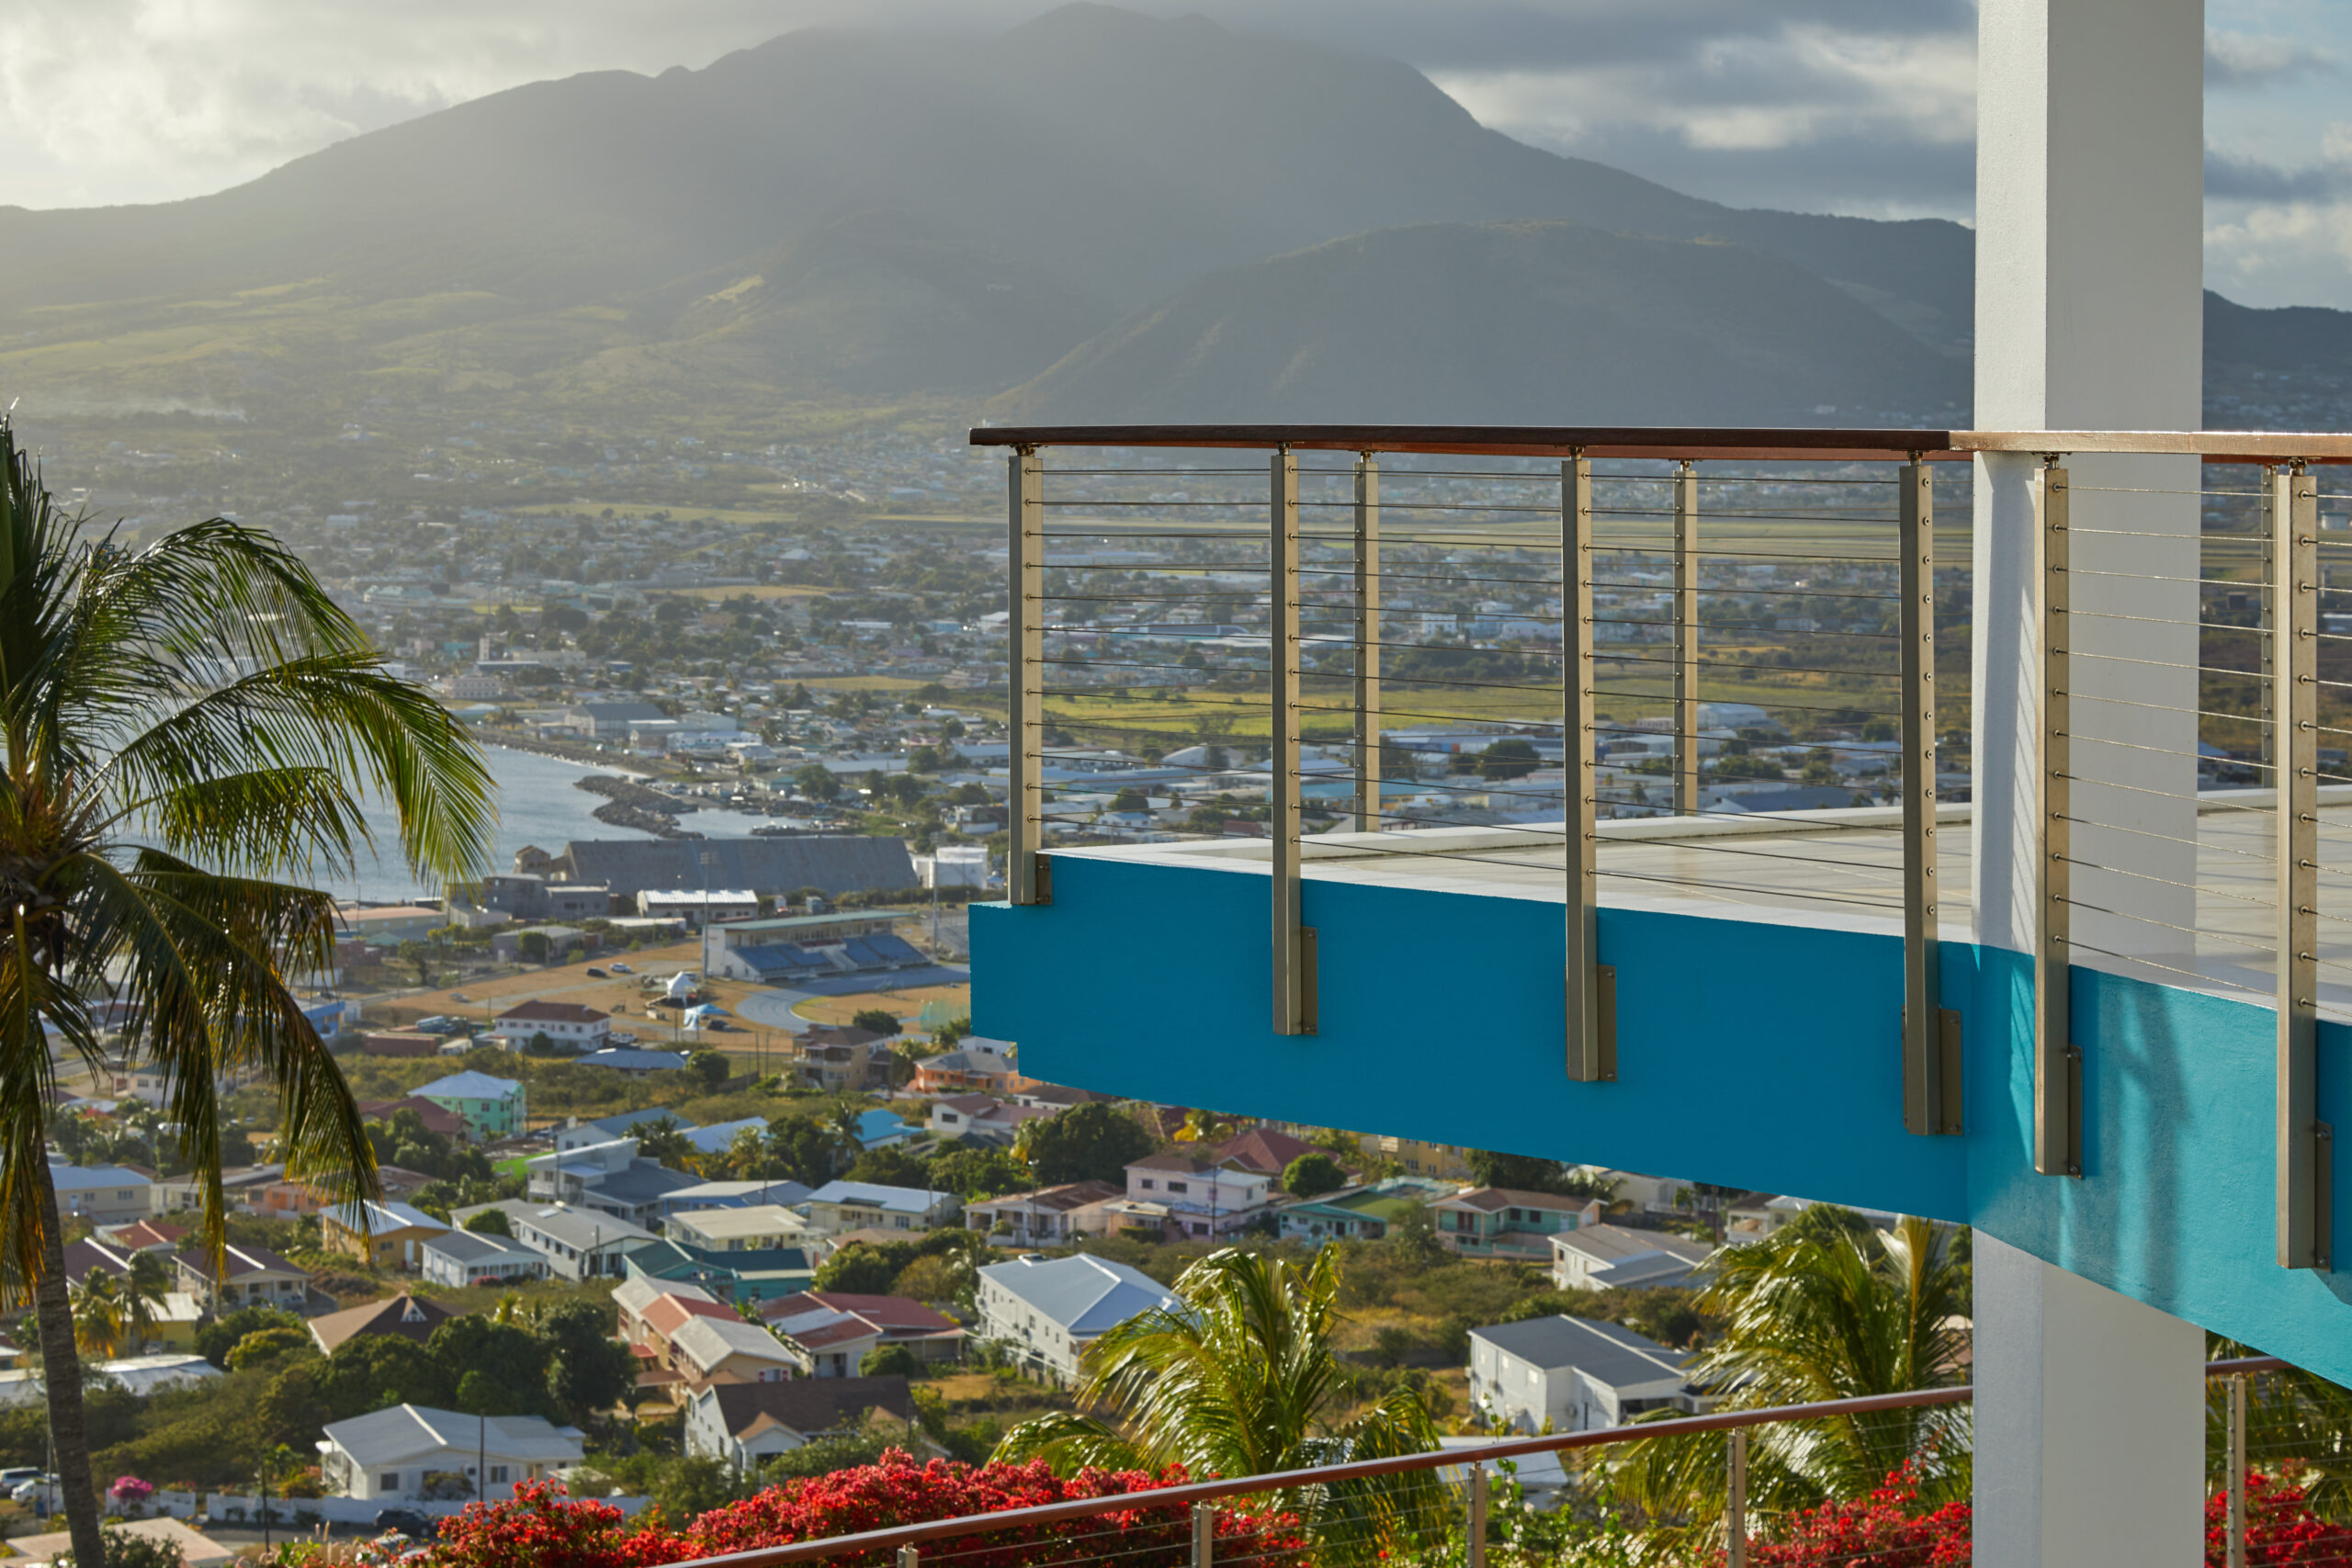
{"x": 1686, "y": 640}
{"x": 1024, "y": 816}
{"x": 1591, "y": 986}
{"x": 1735, "y": 1499}
{"x": 2266, "y": 637}
{"x": 1930, "y": 1046}
{"x": 909, "y": 1557}
{"x": 2057, "y": 1061}
{"x": 1293, "y": 946}
{"x": 2237, "y": 1471}
{"x": 2294, "y": 704}
{"x": 1475, "y": 1536}
{"x": 1367, "y": 694}
{"x": 1203, "y": 1534}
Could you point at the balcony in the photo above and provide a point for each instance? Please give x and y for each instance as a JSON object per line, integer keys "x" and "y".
{"x": 2009, "y": 958}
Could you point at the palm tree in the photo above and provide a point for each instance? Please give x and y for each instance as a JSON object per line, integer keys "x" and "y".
{"x": 846, "y": 1125}
{"x": 182, "y": 727}
{"x": 144, "y": 1287}
{"x": 101, "y": 1317}
{"x": 1240, "y": 1378}
{"x": 1819, "y": 1312}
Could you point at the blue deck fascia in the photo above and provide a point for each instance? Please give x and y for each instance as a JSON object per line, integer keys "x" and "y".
{"x": 1750, "y": 1054}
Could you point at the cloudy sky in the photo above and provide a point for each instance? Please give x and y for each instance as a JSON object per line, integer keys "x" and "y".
{"x": 1839, "y": 106}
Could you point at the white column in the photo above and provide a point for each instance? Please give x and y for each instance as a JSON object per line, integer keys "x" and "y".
{"x": 2089, "y": 315}
{"x": 2090, "y": 1422}
{"x": 2089, "y": 1405}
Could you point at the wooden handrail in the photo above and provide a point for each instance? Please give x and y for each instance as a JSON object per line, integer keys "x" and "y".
{"x": 1699, "y": 443}
{"x": 1184, "y": 1497}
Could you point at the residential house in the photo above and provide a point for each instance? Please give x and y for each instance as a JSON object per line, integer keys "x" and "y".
{"x": 579, "y": 1243}
{"x": 633, "y": 1296}
{"x": 242, "y": 1187}
{"x": 1756, "y": 1216}
{"x": 761, "y": 1228}
{"x": 399, "y": 1317}
{"x": 1262, "y": 1151}
{"x": 1050, "y": 1310}
{"x": 610, "y": 1129}
{"x": 1577, "y": 1373}
{"x": 981, "y": 1118}
{"x": 103, "y": 1194}
{"x": 491, "y": 1108}
{"x": 1360, "y": 1214}
{"x": 743, "y": 1424}
{"x": 1050, "y": 1216}
{"x": 634, "y": 1062}
{"x": 610, "y": 1178}
{"x": 829, "y": 1333}
{"x": 732, "y": 1195}
{"x": 568, "y": 1024}
{"x": 1605, "y": 1257}
{"x": 1057, "y": 1097}
{"x": 880, "y": 1129}
{"x": 974, "y": 1066}
{"x": 839, "y": 1206}
{"x": 1201, "y": 1199}
{"x": 1502, "y": 1222}
{"x": 838, "y": 1059}
{"x": 1446, "y": 1162}
{"x": 253, "y": 1276}
{"x": 172, "y": 1321}
{"x": 385, "y": 1456}
{"x": 385, "y": 1234}
{"x": 142, "y": 1236}
{"x": 735, "y": 1275}
{"x": 708, "y": 1350}
{"x": 474, "y": 1257}
{"x": 657, "y": 1326}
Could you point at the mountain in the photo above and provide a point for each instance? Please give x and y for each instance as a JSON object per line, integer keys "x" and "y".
{"x": 1515, "y": 323}
{"x": 838, "y": 218}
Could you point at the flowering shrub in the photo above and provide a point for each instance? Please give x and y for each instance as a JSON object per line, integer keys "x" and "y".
{"x": 2280, "y": 1530}
{"x": 543, "y": 1528}
{"x": 129, "y": 1489}
{"x": 1886, "y": 1529}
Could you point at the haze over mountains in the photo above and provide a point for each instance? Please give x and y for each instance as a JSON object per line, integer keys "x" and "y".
{"x": 1096, "y": 216}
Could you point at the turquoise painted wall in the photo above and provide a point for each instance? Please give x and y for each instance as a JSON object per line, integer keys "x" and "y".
{"x": 1750, "y": 1055}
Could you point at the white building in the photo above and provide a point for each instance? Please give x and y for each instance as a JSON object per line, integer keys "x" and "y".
{"x": 839, "y": 1206}
{"x": 1577, "y": 1373}
{"x": 468, "y": 1258}
{"x": 690, "y": 905}
{"x": 104, "y": 1194}
{"x": 744, "y": 1422}
{"x": 388, "y": 1454}
{"x": 578, "y": 1243}
{"x": 954, "y": 865}
{"x": 1052, "y": 1309}
{"x": 1201, "y": 1199}
{"x": 1610, "y": 1257}
{"x": 757, "y": 1228}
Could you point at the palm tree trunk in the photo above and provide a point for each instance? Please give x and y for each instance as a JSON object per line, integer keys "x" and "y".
{"x": 61, "y": 1365}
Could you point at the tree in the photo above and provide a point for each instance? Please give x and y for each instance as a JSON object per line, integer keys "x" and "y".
{"x": 710, "y": 1065}
{"x": 816, "y": 782}
{"x": 491, "y": 1222}
{"x": 799, "y": 1150}
{"x": 889, "y": 1168}
{"x": 664, "y": 1141}
{"x": 419, "y": 957}
{"x": 886, "y": 1360}
{"x": 206, "y": 693}
{"x": 1312, "y": 1175}
{"x": 1095, "y": 1142}
{"x": 1507, "y": 759}
{"x": 1819, "y": 1314}
{"x": 1520, "y": 1173}
{"x": 876, "y": 1020}
{"x": 857, "y": 1269}
{"x": 266, "y": 1345}
{"x": 588, "y": 1371}
{"x": 223, "y": 1334}
{"x": 533, "y": 946}
{"x": 1242, "y": 1377}
{"x": 975, "y": 1171}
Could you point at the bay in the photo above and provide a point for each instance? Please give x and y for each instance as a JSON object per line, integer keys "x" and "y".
{"x": 538, "y": 803}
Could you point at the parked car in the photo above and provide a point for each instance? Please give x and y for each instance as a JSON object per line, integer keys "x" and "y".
{"x": 594, "y": 974}
{"x": 26, "y": 1491}
{"x": 13, "y": 1478}
{"x": 619, "y": 968}
{"x": 408, "y": 1521}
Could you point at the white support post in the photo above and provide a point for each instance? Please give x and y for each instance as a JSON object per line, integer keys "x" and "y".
{"x": 2089, "y": 316}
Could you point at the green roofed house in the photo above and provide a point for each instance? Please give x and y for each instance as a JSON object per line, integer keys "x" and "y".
{"x": 1362, "y": 1213}
{"x": 491, "y": 1108}
{"x": 761, "y": 1275}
